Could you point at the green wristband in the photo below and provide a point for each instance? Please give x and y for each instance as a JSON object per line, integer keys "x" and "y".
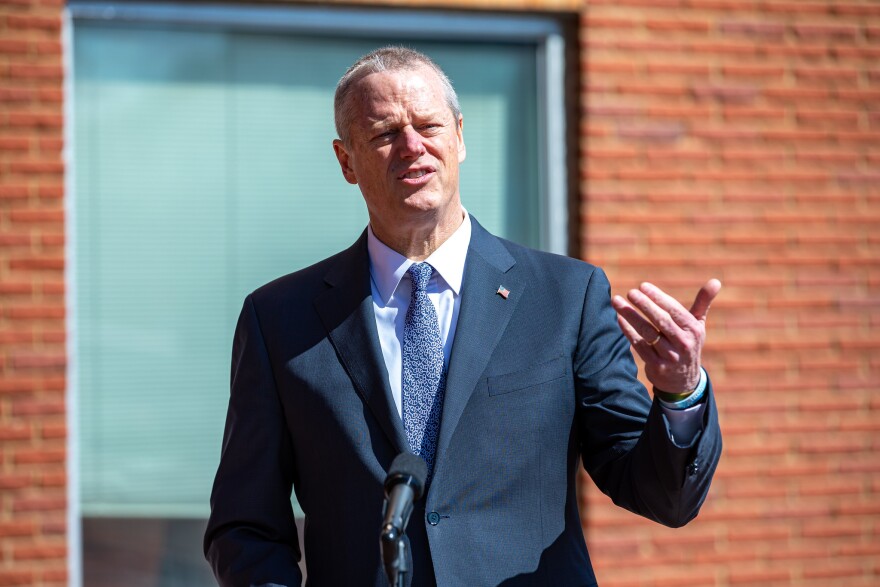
{"x": 672, "y": 398}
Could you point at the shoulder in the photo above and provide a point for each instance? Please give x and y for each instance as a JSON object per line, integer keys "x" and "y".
{"x": 550, "y": 268}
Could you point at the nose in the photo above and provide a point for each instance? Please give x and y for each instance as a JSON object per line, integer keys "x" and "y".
{"x": 411, "y": 145}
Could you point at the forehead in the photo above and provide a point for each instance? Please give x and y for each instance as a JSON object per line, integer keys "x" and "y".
{"x": 406, "y": 92}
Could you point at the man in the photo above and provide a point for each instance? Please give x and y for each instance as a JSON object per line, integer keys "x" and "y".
{"x": 503, "y": 367}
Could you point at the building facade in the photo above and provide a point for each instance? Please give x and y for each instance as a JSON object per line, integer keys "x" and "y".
{"x": 737, "y": 139}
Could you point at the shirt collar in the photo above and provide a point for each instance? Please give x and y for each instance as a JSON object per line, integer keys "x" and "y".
{"x": 387, "y": 266}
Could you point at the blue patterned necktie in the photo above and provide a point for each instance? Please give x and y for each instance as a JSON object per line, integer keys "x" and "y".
{"x": 423, "y": 377}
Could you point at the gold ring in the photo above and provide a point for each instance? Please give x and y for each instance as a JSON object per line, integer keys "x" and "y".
{"x": 656, "y": 340}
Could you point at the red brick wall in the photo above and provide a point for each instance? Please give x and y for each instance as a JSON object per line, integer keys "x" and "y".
{"x": 729, "y": 138}
{"x": 33, "y": 500}
{"x": 741, "y": 139}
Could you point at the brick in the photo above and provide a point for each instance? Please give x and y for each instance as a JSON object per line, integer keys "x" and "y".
{"x": 52, "y": 240}
{"x": 835, "y": 571}
{"x": 826, "y": 31}
{"x": 853, "y": 8}
{"x": 669, "y": 156}
{"x": 54, "y": 525}
{"x": 721, "y": 48}
{"x": 651, "y": 132}
{"x": 867, "y": 177}
{"x": 34, "y": 120}
{"x": 689, "y": 112}
{"x": 756, "y": 29}
{"x": 48, "y": 47}
{"x": 44, "y": 550}
{"x": 12, "y": 95}
{"x": 830, "y": 157}
{"x": 665, "y": 67}
{"x": 54, "y": 430}
{"x": 836, "y": 74}
{"x": 676, "y": 25}
{"x": 39, "y": 456}
{"x": 13, "y": 481}
{"x": 831, "y": 529}
{"x": 17, "y": 528}
{"x": 750, "y": 71}
{"x": 606, "y": 22}
{"x": 38, "y": 408}
{"x": 726, "y": 134}
{"x": 814, "y": 52}
{"x": 58, "y": 576}
{"x": 14, "y": 432}
{"x": 654, "y": 89}
{"x": 38, "y": 263}
{"x": 17, "y": 385}
{"x": 53, "y": 336}
{"x": 31, "y": 71}
{"x": 14, "y": 144}
{"x": 54, "y": 479}
{"x": 24, "y": 23}
{"x": 14, "y": 192}
{"x": 17, "y": 577}
{"x": 51, "y": 95}
{"x": 39, "y": 360}
{"x": 16, "y": 288}
{"x": 35, "y": 312}
{"x": 797, "y": 95}
{"x": 37, "y": 166}
{"x": 828, "y": 119}
{"x": 859, "y": 550}
{"x": 609, "y": 67}
{"x": 758, "y": 576}
{"x": 50, "y": 191}
{"x": 866, "y": 53}
{"x": 18, "y": 336}
{"x": 729, "y": 94}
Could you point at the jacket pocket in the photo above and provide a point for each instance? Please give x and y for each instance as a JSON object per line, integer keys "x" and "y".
{"x": 535, "y": 375}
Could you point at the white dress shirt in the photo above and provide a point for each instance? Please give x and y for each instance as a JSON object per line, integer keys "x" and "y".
{"x": 392, "y": 288}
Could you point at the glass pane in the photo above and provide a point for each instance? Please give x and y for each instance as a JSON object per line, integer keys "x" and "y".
{"x": 204, "y": 168}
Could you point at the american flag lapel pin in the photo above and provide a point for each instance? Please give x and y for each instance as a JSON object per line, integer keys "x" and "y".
{"x": 503, "y": 291}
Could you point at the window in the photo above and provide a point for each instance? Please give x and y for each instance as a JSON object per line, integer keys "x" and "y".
{"x": 203, "y": 168}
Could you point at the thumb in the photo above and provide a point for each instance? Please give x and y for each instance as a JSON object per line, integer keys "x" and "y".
{"x": 704, "y": 298}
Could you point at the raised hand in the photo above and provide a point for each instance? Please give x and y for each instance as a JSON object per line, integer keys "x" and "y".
{"x": 667, "y": 337}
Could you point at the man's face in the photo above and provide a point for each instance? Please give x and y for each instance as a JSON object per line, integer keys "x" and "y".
{"x": 404, "y": 149}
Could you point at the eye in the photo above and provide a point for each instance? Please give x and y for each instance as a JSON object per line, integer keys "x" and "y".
{"x": 385, "y": 135}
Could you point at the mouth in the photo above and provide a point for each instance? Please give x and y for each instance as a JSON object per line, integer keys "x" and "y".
{"x": 417, "y": 175}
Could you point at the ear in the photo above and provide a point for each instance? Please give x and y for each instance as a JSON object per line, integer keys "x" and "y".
{"x": 344, "y": 159}
{"x": 462, "y": 150}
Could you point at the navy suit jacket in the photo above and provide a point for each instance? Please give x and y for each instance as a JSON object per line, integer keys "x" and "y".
{"x": 536, "y": 383}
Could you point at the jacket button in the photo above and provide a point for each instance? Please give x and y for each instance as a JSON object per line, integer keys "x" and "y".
{"x": 693, "y": 468}
{"x": 433, "y": 518}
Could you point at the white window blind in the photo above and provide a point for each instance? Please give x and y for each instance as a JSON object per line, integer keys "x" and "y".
{"x": 203, "y": 169}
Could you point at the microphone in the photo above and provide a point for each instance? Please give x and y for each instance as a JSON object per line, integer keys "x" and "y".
{"x": 403, "y": 487}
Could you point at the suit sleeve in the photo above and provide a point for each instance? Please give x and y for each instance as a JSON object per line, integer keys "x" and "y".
{"x": 251, "y": 537}
{"x": 624, "y": 437}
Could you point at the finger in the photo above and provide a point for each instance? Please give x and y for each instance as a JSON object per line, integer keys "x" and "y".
{"x": 639, "y": 344}
{"x": 669, "y": 304}
{"x": 707, "y": 293}
{"x": 659, "y": 318}
{"x": 640, "y": 325}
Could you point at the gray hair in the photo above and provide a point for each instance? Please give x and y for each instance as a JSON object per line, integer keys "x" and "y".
{"x": 390, "y": 58}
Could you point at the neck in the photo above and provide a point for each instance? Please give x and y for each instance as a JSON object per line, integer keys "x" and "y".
{"x": 419, "y": 242}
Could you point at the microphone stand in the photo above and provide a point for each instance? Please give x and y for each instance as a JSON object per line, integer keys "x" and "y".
{"x": 403, "y": 486}
{"x": 395, "y": 556}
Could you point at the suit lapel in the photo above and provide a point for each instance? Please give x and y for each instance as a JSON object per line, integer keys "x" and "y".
{"x": 346, "y": 309}
{"x": 482, "y": 319}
